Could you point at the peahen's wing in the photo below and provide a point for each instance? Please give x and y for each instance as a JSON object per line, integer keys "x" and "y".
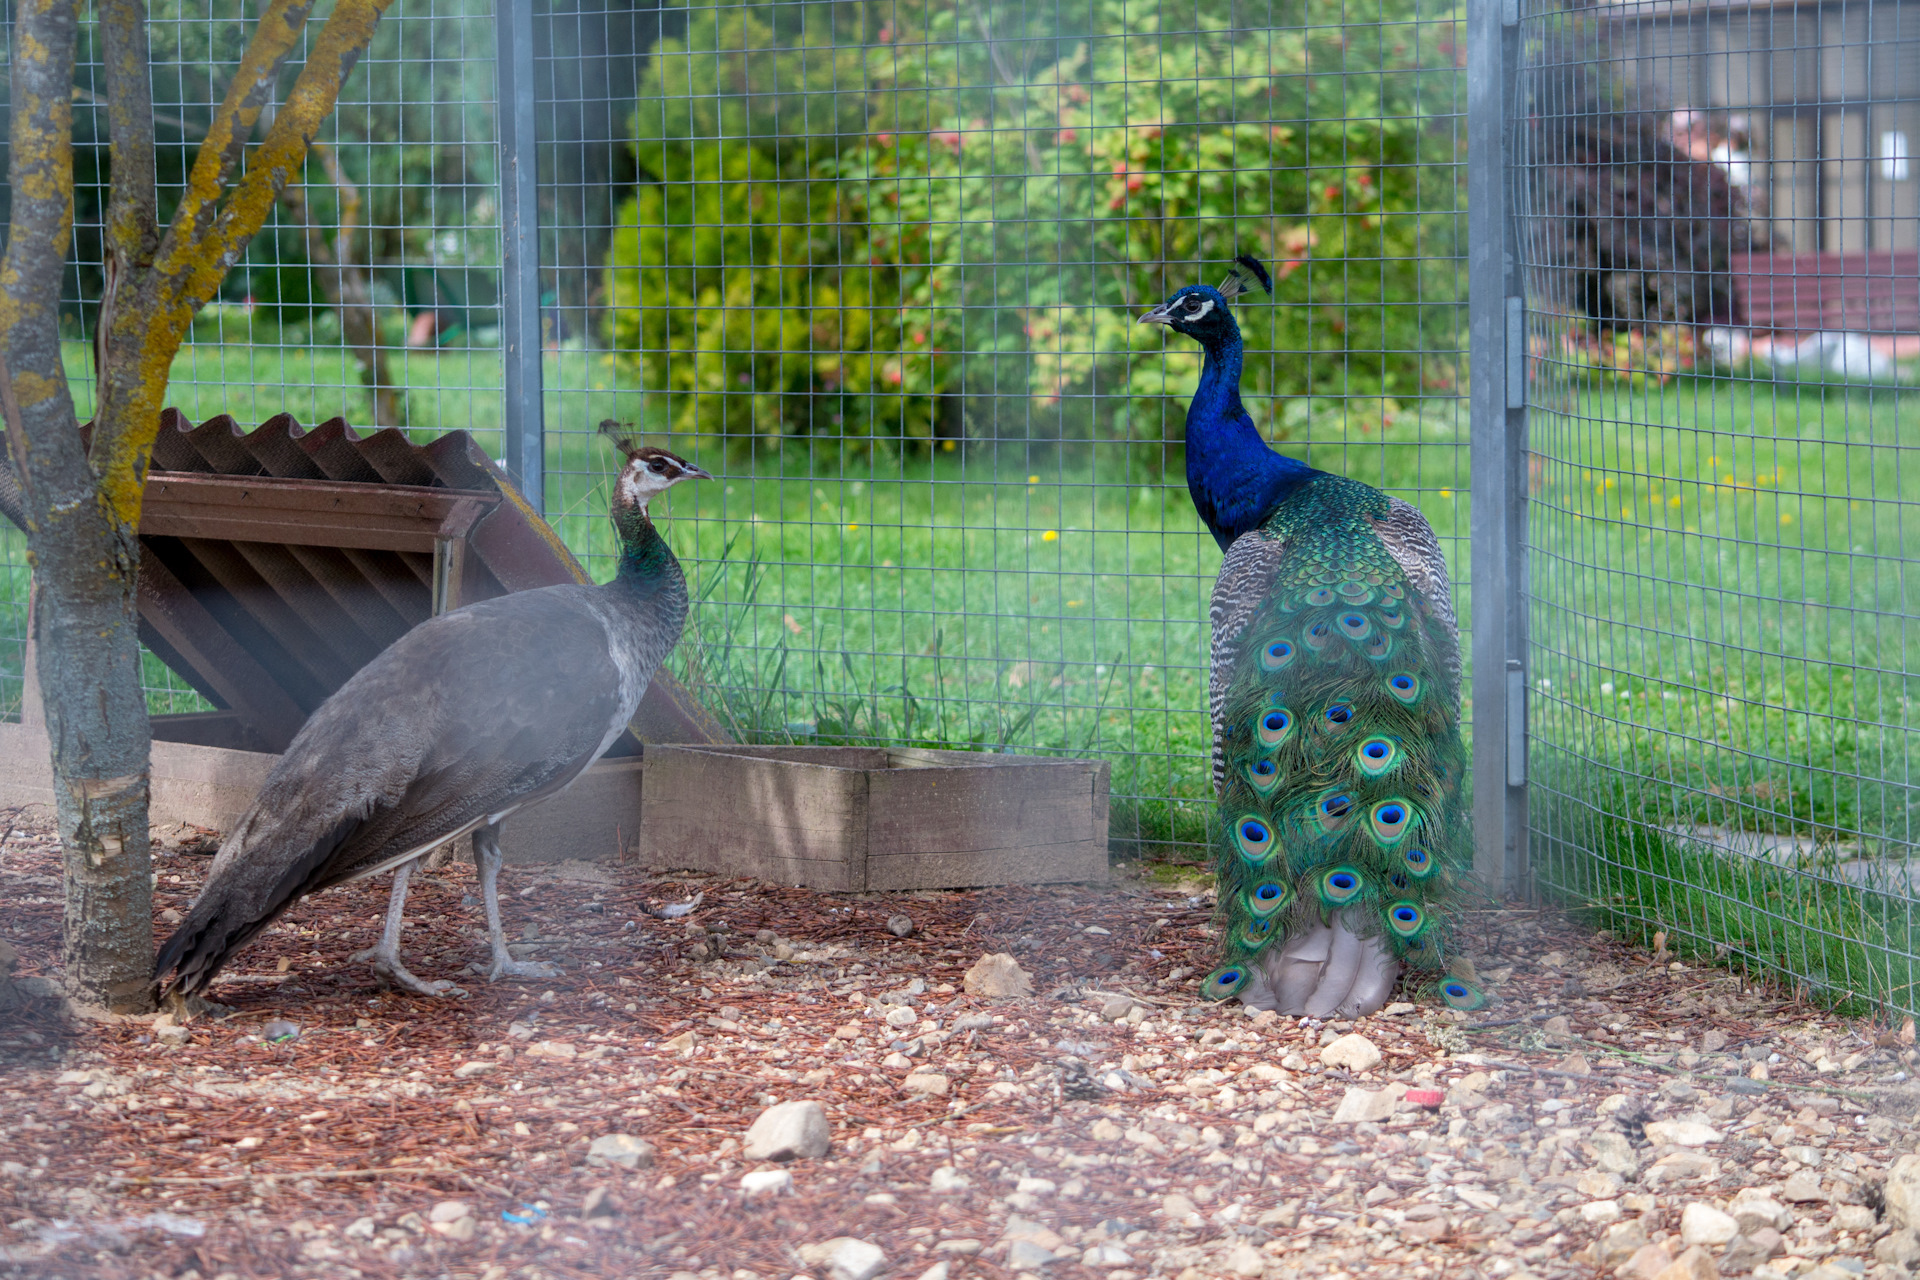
{"x": 466, "y": 717}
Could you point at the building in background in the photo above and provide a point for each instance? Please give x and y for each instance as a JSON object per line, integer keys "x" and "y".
{"x": 1826, "y": 91}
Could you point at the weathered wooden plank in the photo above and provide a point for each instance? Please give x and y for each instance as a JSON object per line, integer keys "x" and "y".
{"x": 852, "y": 818}
{"x": 742, "y": 815}
{"x": 325, "y": 513}
{"x": 242, "y": 683}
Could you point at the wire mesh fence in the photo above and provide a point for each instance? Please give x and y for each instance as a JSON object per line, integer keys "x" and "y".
{"x": 877, "y": 265}
{"x": 1716, "y": 219}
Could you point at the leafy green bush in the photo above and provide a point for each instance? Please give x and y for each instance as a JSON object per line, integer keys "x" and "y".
{"x": 850, "y": 226}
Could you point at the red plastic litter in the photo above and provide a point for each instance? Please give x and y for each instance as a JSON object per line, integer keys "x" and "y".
{"x": 1426, "y": 1097}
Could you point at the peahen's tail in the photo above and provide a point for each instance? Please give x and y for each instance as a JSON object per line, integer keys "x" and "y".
{"x": 1343, "y": 838}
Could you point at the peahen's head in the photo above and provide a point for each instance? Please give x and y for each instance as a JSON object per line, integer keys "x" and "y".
{"x": 1203, "y": 313}
{"x": 649, "y": 471}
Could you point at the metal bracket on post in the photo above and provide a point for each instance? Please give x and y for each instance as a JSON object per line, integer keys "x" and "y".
{"x": 523, "y": 415}
{"x": 1498, "y": 357}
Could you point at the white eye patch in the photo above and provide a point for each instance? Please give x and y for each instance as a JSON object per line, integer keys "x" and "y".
{"x": 1201, "y": 312}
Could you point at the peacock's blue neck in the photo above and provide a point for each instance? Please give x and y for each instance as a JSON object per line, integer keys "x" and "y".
{"x": 1235, "y": 479}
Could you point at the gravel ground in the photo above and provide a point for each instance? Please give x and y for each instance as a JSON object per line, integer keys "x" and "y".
{"x": 1613, "y": 1113}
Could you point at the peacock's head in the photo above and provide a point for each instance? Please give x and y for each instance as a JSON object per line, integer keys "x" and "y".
{"x": 649, "y": 471}
{"x": 1203, "y": 313}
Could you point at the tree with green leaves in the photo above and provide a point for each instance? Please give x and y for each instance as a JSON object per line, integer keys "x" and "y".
{"x": 892, "y": 206}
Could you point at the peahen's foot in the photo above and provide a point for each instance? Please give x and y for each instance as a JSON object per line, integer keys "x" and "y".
{"x": 389, "y": 969}
{"x": 523, "y": 969}
{"x": 1326, "y": 972}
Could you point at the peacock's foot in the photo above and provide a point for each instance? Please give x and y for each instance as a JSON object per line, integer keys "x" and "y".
{"x": 523, "y": 969}
{"x": 389, "y": 970}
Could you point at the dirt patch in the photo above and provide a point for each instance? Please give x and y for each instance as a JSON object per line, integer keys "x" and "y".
{"x": 1109, "y": 1125}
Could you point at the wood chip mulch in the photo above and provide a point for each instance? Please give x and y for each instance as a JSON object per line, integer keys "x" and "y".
{"x": 1109, "y": 1122}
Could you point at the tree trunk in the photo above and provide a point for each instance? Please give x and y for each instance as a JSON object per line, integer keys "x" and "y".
{"x": 81, "y": 507}
{"x": 83, "y": 558}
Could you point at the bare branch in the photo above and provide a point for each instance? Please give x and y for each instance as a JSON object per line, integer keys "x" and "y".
{"x": 194, "y": 272}
{"x": 252, "y": 88}
{"x": 131, "y": 234}
{"x": 33, "y": 380}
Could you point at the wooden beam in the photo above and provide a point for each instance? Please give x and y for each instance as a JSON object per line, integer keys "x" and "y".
{"x": 320, "y": 513}
{"x": 170, "y": 609}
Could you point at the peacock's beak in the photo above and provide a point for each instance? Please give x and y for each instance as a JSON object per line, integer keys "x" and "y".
{"x": 1159, "y": 315}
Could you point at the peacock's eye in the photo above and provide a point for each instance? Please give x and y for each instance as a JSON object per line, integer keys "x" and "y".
{"x": 1193, "y": 306}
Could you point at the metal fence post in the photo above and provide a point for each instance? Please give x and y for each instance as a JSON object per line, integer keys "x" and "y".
{"x": 523, "y": 417}
{"x": 1497, "y": 323}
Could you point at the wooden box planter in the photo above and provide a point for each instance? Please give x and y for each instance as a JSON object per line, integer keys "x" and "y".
{"x": 859, "y": 818}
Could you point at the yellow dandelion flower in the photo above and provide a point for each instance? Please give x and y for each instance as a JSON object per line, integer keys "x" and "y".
{"x": 1033, "y": 479}
{"x": 1051, "y": 535}
{"x": 1786, "y": 519}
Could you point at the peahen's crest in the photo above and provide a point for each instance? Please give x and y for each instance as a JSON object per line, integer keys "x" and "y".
{"x": 1343, "y": 835}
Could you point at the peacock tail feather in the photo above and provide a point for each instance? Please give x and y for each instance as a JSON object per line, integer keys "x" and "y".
{"x": 1343, "y": 768}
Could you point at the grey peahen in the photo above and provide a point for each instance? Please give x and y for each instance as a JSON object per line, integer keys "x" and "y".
{"x": 465, "y": 719}
{"x": 1335, "y": 705}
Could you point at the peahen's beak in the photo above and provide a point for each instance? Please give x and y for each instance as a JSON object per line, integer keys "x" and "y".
{"x": 691, "y": 472}
{"x": 1159, "y": 315}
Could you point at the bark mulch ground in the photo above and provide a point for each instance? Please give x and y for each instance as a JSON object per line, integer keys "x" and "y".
{"x": 1107, "y": 1125}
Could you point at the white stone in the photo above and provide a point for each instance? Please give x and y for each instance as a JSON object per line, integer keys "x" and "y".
{"x": 1903, "y": 1193}
{"x": 995, "y": 976}
{"x": 1244, "y": 1260}
{"x": 947, "y": 1179}
{"x": 1801, "y": 1187}
{"x": 450, "y": 1211}
{"x": 845, "y": 1258}
{"x": 361, "y": 1229}
{"x": 1105, "y": 1255}
{"x": 901, "y": 1017}
{"x": 1363, "y": 1104}
{"x": 622, "y": 1149}
{"x": 1036, "y": 1186}
{"x": 1354, "y": 1052}
{"x": 928, "y": 1082}
{"x": 1682, "y": 1133}
{"x": 789, "y": 1131}
{"x": 550, "y": 1049}
{"x": 1704, "y": 1224}
{"x": 938, "y": 1271}
{"x": 766, "y": 1182}
{"x": 467, "y": 1070}
{"x": 1600, "y": 1213}
{"x": 1753, "y": 1208}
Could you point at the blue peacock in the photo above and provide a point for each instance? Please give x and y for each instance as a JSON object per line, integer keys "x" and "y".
{"x": 1335, "y": 699}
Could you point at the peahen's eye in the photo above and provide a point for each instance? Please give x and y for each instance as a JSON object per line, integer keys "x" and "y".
{"x": 658, "y": 466}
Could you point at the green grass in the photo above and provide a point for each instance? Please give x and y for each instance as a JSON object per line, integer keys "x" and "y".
{"x": 1853, "y": 946}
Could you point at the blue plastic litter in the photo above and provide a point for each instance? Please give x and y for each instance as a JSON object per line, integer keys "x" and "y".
{"x": 528, "y": 1215}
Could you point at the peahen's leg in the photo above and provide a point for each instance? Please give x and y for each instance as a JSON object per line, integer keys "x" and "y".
{"x": 1326, "y": 972}
{"x": 384, "y": 955}
{"x": 486, "y": 852}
